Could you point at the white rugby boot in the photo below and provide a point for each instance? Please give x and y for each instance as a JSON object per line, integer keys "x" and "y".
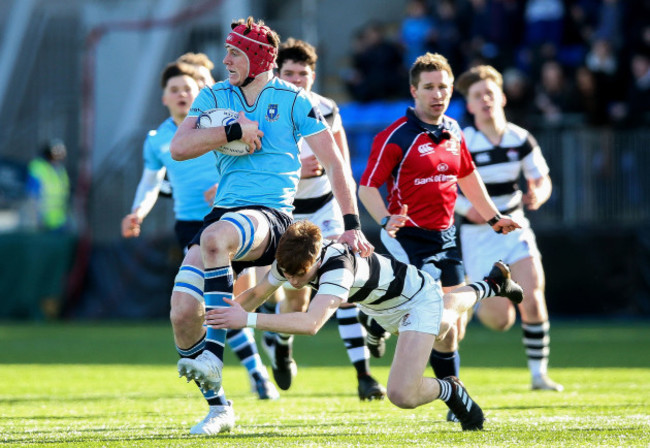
{"x": 204, "y": 369}
{"x": 219, "y": 419}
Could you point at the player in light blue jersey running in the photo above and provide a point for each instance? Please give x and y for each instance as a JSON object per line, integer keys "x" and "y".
{"x": 243, "y": 344}
{"x": 254, "y": 201}
{"x": 190, "y": 180}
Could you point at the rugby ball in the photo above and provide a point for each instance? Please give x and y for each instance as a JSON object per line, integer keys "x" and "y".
{"x": 222, "y": 117}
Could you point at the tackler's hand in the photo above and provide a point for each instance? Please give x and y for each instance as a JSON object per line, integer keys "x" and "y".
{"x": 357, "y": 242}
{"x": 231, "y": 317}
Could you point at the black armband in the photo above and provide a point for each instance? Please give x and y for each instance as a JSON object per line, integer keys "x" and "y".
{"x": 351, "y": 222}
{"x": 494, "y": 220}
{"x": 233, "y": 132}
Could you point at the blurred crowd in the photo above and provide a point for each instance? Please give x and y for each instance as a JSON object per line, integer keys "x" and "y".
{"x": 564, "y": 62}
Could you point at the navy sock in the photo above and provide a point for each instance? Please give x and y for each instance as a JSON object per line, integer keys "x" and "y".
{"x": 445, "y": 364}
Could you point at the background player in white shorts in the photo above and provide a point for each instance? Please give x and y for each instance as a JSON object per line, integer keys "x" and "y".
{"x": 501, "y": 152}
{"x": 402, "y": 298}
{"x": 315, "y": 202}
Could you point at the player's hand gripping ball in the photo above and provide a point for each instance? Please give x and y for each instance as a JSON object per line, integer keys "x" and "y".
{"x": 222, "y": 117}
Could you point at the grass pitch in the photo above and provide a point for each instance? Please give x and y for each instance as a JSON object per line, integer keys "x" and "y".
{"x": 103, "y": 385}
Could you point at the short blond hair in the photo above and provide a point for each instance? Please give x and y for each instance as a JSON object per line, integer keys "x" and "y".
{"x": 477, "y": 74}
{"x": 200, "y": 59}
{"x": 429, "y": 62}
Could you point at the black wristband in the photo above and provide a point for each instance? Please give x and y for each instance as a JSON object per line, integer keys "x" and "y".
{"x": 494, "y": 220}
{"x": 233, "y": 132}
{"x": 351, "y": 222}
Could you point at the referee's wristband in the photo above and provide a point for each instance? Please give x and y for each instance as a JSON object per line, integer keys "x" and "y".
{"x": 351, "y": 222}
{"x": 495, "y": 220}
{"x": 233, "y": 132}
{"x": 251, "y": 320}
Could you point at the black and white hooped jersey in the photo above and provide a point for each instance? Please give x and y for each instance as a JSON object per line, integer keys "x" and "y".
{"x": 500, "y": 166}
{"x": 319, "y": 186}
{"x": 378, "y": 282}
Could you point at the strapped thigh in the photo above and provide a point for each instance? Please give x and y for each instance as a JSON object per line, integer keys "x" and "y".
{"x": 249, "y": 236}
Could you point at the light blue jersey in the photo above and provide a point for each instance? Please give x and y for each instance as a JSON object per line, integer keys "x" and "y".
{"x": 268, "y": 177}
{"x": 189, "y": 178}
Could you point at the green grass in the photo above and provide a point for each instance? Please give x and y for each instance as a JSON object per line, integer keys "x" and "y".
{"x": 103, "y": 385}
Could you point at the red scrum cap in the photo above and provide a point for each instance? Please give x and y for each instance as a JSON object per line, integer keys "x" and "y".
{"x": 253, "y": 40}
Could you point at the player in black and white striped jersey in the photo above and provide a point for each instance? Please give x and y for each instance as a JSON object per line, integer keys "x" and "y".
{"x": 403, "y": 299}
{"x": 503, "y": 151}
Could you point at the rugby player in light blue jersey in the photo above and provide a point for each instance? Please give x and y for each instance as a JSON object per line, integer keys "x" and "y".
{"x": 191, "y": 181}
{"x": 243, "y": 344}
{"x": 253, "y": 205}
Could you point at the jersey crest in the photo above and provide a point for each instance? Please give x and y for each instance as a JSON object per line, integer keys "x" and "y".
{"x": 272, "y": 113}
{"x": 452, "y": 146}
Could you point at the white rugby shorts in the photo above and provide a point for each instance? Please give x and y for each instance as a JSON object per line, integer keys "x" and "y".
{"x": 422, "y": 313}
{"x": 482, "y": 246}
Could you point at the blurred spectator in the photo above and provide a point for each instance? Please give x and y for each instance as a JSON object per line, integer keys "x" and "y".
{"x": 601, "y": 58}
{"x": 589, "y": 99}
{"x": 519, "y": 98}
{"x": 636, "y": 110}
{"x": 639, "y": 93}
{"x": 447, "y": 35}
{"x": 49, "y": 187}
{"x": 544, "y": 22}
{"x": 378, "y": 68}
{"x": 603, "y": 62}
{"x": 636, "y": 27}
{"x": 417, "y": 30}
{"x": 582, "y": 20}
{"x": 553, "y": 95}
{"x": 495, "y": 29}
{"x": 609, "y": 23}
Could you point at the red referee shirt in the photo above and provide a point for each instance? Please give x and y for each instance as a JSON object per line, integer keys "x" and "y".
{"x": 419, "y": 169}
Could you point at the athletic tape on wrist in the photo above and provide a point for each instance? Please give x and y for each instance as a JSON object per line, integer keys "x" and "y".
{"x": 251, "y": 320}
